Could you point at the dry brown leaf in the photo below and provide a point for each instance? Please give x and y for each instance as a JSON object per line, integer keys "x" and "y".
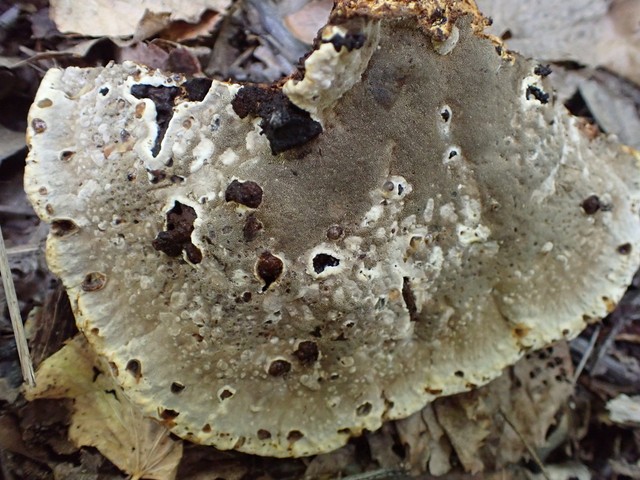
{"x": 119, "y": 18}
{"x": 103, "y": 417}
{"x": 598, "y": 33}
{"x": 305, "y": 23}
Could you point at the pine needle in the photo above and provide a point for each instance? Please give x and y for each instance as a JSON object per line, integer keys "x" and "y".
{"x": 16, "y": 320}
{"x": 529, "y": 448}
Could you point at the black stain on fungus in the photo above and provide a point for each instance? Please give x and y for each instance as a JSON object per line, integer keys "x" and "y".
{"x": 164, "y": 99}
{"x": 537, "y": 93}
{"x": 350, "y": 41}
{"x": 542, "y": 70}
{"x": 323, "y": 261}
{"x": 197, "y": 88}
{"x": 177, "y": 237}
{"x": 285, "y": 125}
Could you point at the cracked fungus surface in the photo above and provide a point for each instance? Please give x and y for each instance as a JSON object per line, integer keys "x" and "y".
{"x": 276, "y": 269}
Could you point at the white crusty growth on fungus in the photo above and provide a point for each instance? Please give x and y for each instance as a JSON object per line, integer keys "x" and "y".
{"x": 276, "y": 269}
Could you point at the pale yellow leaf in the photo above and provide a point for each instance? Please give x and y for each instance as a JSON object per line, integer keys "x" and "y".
{"x": 103, "y": 417}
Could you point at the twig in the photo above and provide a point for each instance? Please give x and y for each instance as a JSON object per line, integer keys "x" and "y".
{"x": 529, "y": 448}
{"x": 385, "y": 474}
{"x": 16, "y": 320}
{"x": 619, "y": 318}
{"x": 587, "y": 354}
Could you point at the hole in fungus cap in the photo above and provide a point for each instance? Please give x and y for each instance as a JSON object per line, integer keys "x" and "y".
{"x": 213, "y": 212}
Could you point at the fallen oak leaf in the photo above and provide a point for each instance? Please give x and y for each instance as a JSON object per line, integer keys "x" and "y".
{"x": 103, "y": 417}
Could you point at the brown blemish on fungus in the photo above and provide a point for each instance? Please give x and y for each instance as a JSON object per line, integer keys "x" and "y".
{"x": 252, "y": 228}
{"x": 134, "y": 367}
{"x": 364, "y": 409}
{"x": 624, "y": 249}
{"x": 285, "y": 125}
{"x": 226, "y": 393}
{"x": 94, "y": 281}
{"x": 278, "y": 368}
{"x": 177, "y": 387}
{"x": 246, "y": 193}
{"x": 63, "y": 227}
{"x": 307, "y": 353}
{"x": 268, "y": 268}
{"x": 591, "y": 204}
{"x": 163, "y": 98}
{"x": 263, "y": 434}
{"x": 334, "y": 232}
{"x": 38, "y": 125}
{"x": 294, "y": 435}
{"x": 177, "y": 236}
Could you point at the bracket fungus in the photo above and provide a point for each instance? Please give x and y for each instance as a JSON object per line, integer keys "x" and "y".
{"x": 274, "y": 269}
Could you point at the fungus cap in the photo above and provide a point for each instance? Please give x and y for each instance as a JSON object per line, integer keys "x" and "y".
{"x": 275, "y": 269}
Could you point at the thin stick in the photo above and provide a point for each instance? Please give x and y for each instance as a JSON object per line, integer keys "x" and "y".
{"x": 16, "y": 320}
{"x": 587, "y": 354}
{"x": 529, "y": 448}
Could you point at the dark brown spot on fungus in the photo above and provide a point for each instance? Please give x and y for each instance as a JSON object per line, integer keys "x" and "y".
{"x": 364, "y": 409}
{"x": 322, "y": 261}
{"x": 334, "y": 232}
{"x": 521, "y": 331}
{"x": 268, "y": 268}
{"x": 226, "y": 393}
{"x": 38, "y": 125}
{"x": 177, "y": 387}
{"x": 252, "y": 227}
{"x": 285, "y": 125}
{"x": 246, "y": 193}
{"x": 66, "y": 155}
{"x": 134, "y": 367}
{"x": 307, "y": 353}
{"x": 177, "y": 237}
{"x": 164, "y": 99}
{"x": 591, "y": 205}
{"x": 206, "y": 428}
{"x": 264, "y": 434}
{"x": 94, "y": 281}
{"x": 168, "y": 414}
{"x": 459, "y": 373}
{"x": 624, "y": 249}
{"x": 409, "y": 299}
{"x": 294, "y": 435}
{"x": 63, "y": 227}
{"x": 278, "y": 368}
